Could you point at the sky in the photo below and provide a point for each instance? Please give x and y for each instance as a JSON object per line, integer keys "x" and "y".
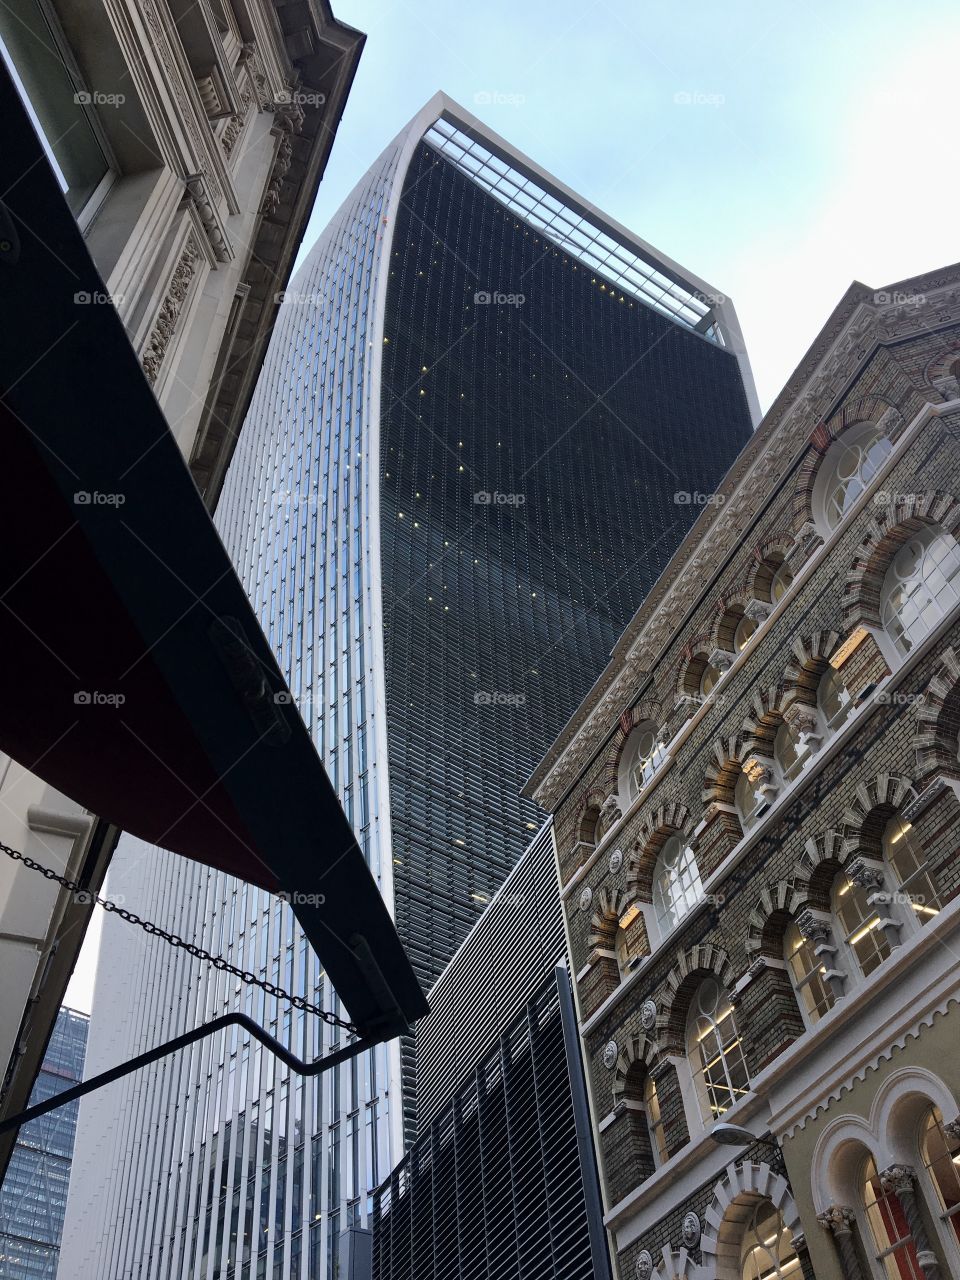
{"x": 778, "y": 151}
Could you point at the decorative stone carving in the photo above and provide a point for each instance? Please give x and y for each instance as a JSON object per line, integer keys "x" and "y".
{"x": 616, "y": 861}
{"x": 644, "y": 1264}
{"x": 610, "y": 1054}
{"x": 165, "y": 324}
{"x": 901, "y": 1180}
{"x": 721, "y": 660}
{"x": 586, "y": 897}
{"x": 808, "y": 540}
{"x": 952, "y": 1128}
{"x": 839, "y": 1220}
{"x": 197, "y": 186}
{"x": 804, "y": 723}
{"x": 758, "y": 611}
{"x": 281, "y": 165}
{"x": 228, "y": 139}
{"x": 690, "y": 1230}
{"x": 610, "y": 812}
{"x": 648, "y": 1015}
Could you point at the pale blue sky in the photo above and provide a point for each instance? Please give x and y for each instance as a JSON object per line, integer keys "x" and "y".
{"x": 825, "y": 150}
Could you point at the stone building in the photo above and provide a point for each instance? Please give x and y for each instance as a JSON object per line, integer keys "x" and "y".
{"x": 756, "y": 816}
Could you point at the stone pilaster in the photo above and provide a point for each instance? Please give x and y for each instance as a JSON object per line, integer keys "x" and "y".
{"x": 900, "y": 1180}
{"x": 840, "y": 1221}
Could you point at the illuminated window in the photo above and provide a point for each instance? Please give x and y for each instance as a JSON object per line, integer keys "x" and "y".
{"x": 766, "y": 1251}
{"x": 905, "y": 855}
{"x": 749, "y": 801}
{"x": 622, "y": 948}
{"x": 847, "y": 469}
{"x": 790, "y": 756}
{"x": 781, "y": 581}
{"x": 941, "y": 1160}
{"x": 714, "y": 1050}
{"x": 921, "y": 586}
{"x": 676, "y": 884}
{"x": 651, "y": 1106}
{"x": 893, "y": 1247}
{"x": 859, "y": 924}
{"x": 807, "y": 974}
{"x": 708, "y": 680}
{"x": 743, "y": 633}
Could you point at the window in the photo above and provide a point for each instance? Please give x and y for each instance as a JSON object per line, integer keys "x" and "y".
{"x": 676, "y": 884}
{"x": 833, "y": 701}
{"x": 781, "y": 582}
{"x": 714, "y": 1050}
{"x": 643, "y": 755}
{"x": 941, "y": 1158}
{"x": 847, "y": 469}
{"x": 766, "y": 1251}
{"x": 651, "y": 1105}
{"x": 859, "y": 924}
{"x": 921, "y": 585}
{"x": 906, "y": 858}
{"x": 807, "y": 974}
{"x": 42, "y": 67}
{"x": 789, "y": 756}
{"x": 708, "y": 680}
{"x": 743, "y": 633}
{"x": 622, "y": 947}
{"x": 893, "y": 1247}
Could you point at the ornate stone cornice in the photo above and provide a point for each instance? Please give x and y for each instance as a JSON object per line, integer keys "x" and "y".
{"x": 859, "y": 324}
{"x": 155, "y": 347}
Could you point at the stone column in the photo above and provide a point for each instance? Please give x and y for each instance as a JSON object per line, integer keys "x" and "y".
{"x": 840, "y": 1220}
{"x": 901, "y": 1180}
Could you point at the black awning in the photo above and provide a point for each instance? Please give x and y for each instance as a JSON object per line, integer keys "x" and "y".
{"x": 134, "y": 676}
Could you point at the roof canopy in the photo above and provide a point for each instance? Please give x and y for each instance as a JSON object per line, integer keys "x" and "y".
{"x": 135, "y": 677}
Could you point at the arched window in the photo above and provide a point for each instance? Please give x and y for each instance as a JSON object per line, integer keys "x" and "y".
{"x": 651, "y": 1106}
{"x": 904, "y": 853}
{"x": 833, "y": 701}
{"x": 847, "y": 469}
{"x": 676, "y": 884}
{"x": 790, "y": 756}
{"x": 766, "y": 1250}
{"x": 749, "y": 800}
{"x": 921, "y": 585}
{"x": 643, "y": 754}
{"x": 708, "y": 679}
{"x": 807, "y": 974}
{"x": 859, "y": 924}
{"x": 621, "y": 946}
{"x": 781, "y": 582}
{"x": 893, "y": 1245}
{"x": 941, "y": 1160}
{"x": 714, "y": 1050}
{"x": 743, "y": 633}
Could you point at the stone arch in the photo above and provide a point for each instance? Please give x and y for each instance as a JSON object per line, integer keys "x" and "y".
{"x": 868, "y": 810}
{"x": 729, "y": 611}
{"x": 942, "y": 374}
{"x": 777, "y": 904}
{"x": 742, "y": 1187}
{"x": 821, "y": 859}
{"x": 768, "y": 707}
{"x": 638, "y": 1049}
{"x": 936, "y": 739}
{"x": 676, "y": 1264}
{"x": 609, "y": 906}
{"x": 855, "y": 413}
{"x": 889, "y": 529}
{"x": 695, "y": 657}
{"x": 668, "y": 820}
{"x": 701, "y": 961}
{"x": 767, "y": 558}
{"x": 588, "y": 816}
{"x": 811, "y": 657}
{"x": 722, "y": 774}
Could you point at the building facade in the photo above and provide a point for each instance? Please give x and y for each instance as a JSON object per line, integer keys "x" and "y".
{"x": 502, "y": 1178}
{"x": 33, "y": 1197}
{"x": 479, "y": 403}
{"x": 189, "y": 140}
{"x": 756, "y": 828}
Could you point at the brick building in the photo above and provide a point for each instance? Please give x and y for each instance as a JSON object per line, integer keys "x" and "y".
{"x": 756, "y": 817}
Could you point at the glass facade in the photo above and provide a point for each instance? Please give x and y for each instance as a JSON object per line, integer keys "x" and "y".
{"x": 445, "y": 506}
{"x": 33, "y": 1198}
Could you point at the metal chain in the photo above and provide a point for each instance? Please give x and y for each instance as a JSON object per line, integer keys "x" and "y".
{"x": 191, "y": 948}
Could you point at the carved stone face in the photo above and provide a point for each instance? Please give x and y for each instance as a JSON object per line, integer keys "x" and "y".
{"x": 610, "y": 1054}
{"x": 644, "y": 1265}
{"x": 690, "y": 1231}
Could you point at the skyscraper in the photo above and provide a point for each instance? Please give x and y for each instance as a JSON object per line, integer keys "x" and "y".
{"x": 33, "y": 1198}
{"x": 487, "y": 417}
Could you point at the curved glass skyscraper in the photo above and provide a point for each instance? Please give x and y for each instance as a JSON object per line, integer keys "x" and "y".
{"x": 458, "y": 478}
